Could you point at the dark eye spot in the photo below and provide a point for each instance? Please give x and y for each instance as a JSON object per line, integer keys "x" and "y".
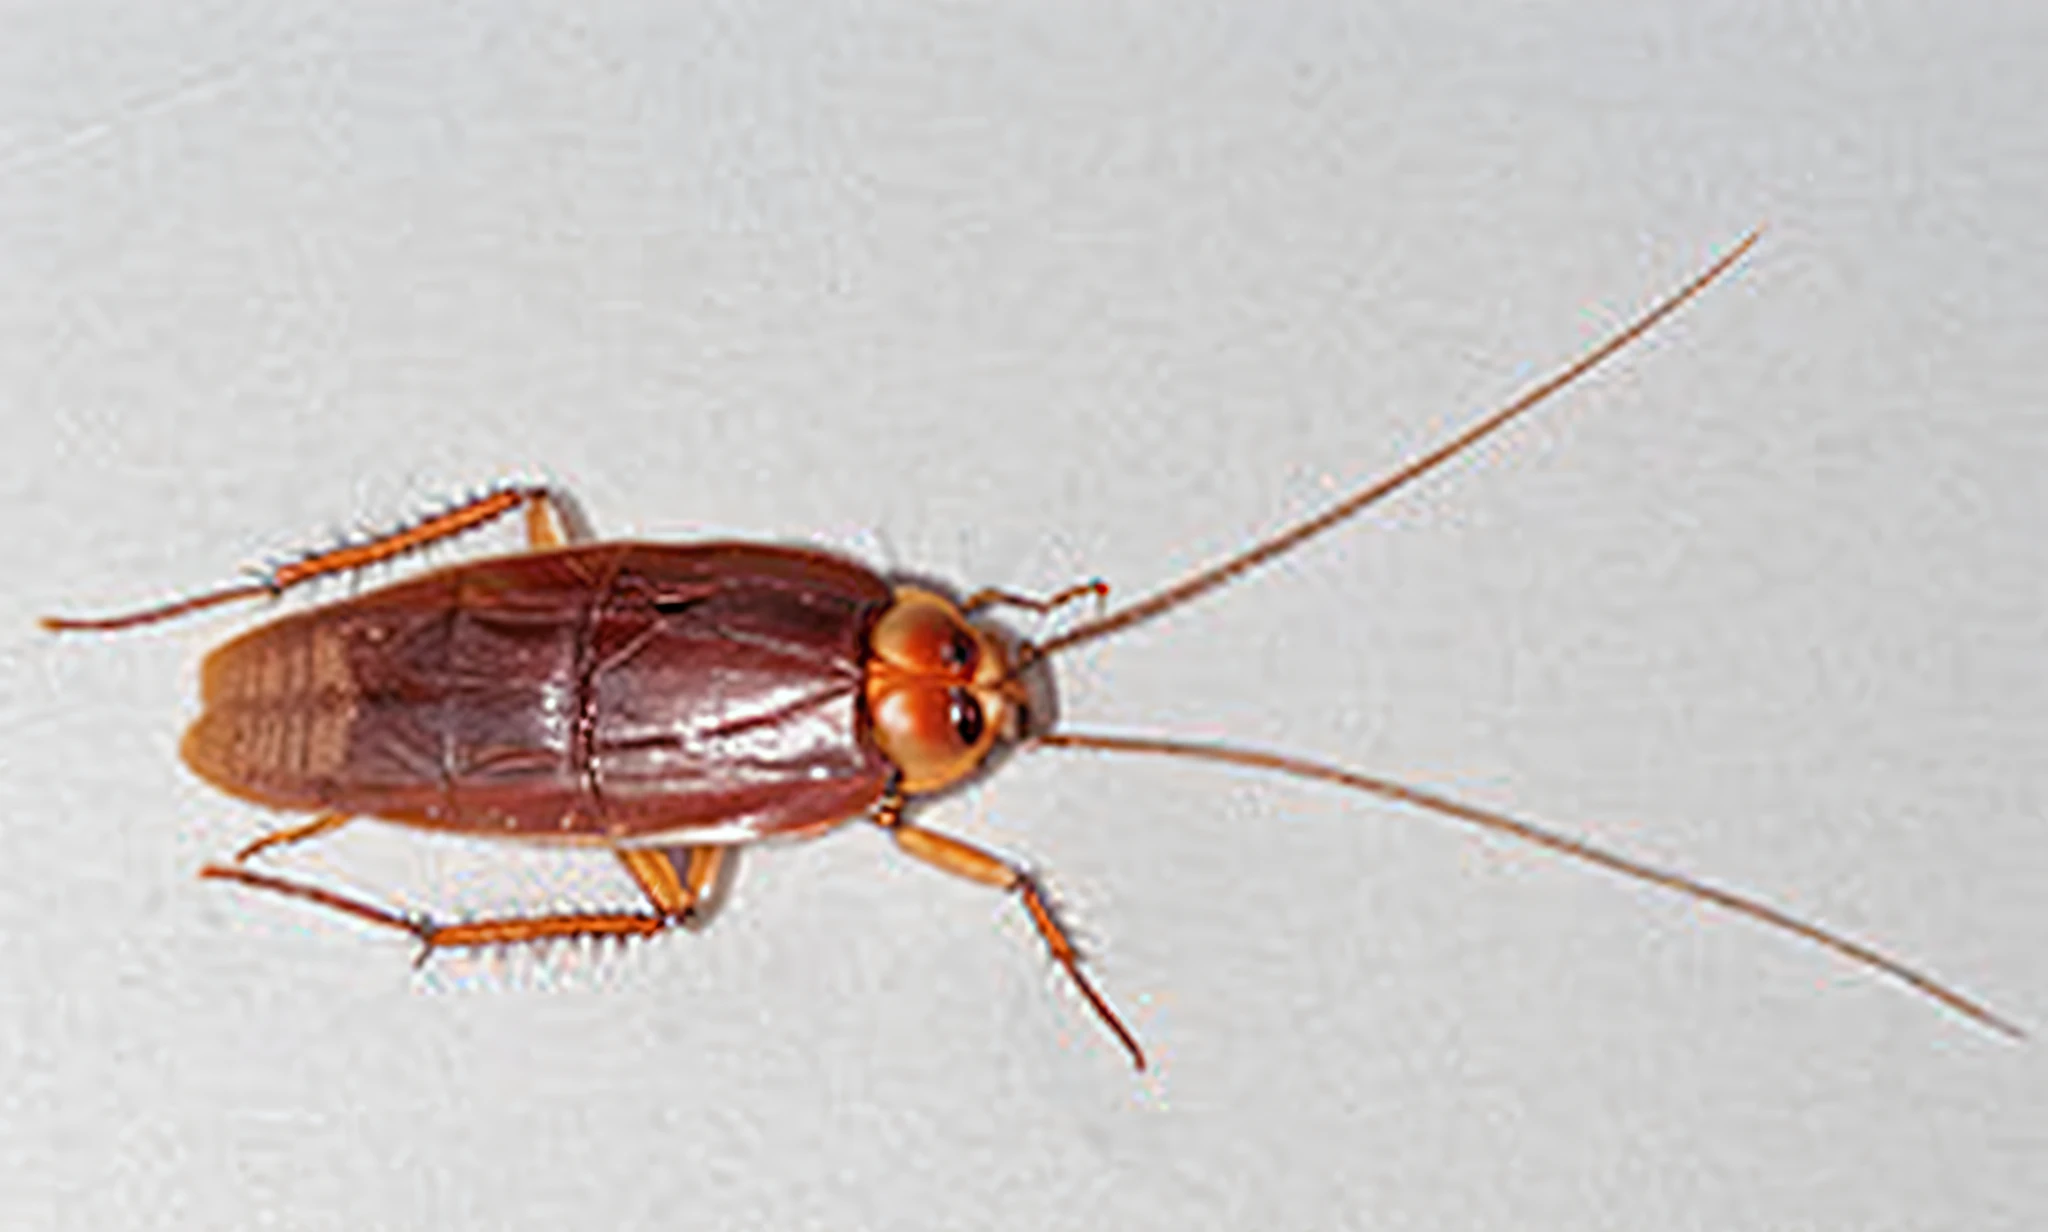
{"x": 968, "y": 720}
{"x": 958, "y": 652}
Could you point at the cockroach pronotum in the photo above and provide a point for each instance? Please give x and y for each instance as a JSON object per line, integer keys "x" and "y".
{"x": 668, "y": 702}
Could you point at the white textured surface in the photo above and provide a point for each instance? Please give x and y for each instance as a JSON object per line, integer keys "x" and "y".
{"x": 1016, "y": 294}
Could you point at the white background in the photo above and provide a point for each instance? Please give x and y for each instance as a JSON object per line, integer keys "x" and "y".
{"x": 1015, "y": 295}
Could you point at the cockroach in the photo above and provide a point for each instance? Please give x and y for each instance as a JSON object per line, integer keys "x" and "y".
{"x": 669, "y": 702}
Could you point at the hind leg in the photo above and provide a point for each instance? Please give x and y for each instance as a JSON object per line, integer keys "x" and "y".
{"x": 548, "y": 524}
{"x": 678, "y": 883}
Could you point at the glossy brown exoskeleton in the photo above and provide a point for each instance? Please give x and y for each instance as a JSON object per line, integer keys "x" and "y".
{"x": 670, "y": 702}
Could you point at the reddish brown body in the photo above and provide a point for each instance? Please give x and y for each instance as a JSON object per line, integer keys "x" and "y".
{"x": 619, "y": 692}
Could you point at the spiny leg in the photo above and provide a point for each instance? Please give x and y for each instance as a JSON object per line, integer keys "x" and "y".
{"x": 322, "y": 824}
{"x": 962, "y": 859}
{"x": 675, "y": 881}
{"x": 525, "y": 930}
{"x": 991, "y": 596}
{"x": 434, "y": 936}
{"x": 546, "y": 526}
{"x": 670, "y": 893}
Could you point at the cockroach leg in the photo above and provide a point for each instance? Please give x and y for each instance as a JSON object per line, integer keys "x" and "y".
{"x": 962, "y": 859}
{"x": 418, "y": 927}
{"x": 322, "y": 824}
{"x": 502, "y": 931}
{"x": 546, "y": 526}
{"x": 681, "y": 882}
{"x": 990, "y": 596}
{"x": 525, "y": 930}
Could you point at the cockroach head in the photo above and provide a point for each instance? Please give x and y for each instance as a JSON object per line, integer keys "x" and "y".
{"x": 942, "y": 692}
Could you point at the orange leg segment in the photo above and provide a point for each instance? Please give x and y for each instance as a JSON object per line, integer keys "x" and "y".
{"x": 963, "y": 859}
{"x": 525, "y": 930}
{"x": 326, "y": 898}
{"x": 546, "y": 527}
{"x": 675, "y": 881}
{"x": 679, "y": 881}
{"x": 322, "y": 824}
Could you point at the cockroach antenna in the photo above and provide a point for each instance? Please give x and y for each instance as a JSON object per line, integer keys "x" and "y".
{"x": 1232, "y": 568}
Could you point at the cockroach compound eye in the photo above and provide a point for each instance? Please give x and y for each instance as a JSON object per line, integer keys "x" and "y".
{"x": 668, "y": 702}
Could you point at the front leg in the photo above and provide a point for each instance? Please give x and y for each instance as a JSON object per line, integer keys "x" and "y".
{"x": 963, "y": 859}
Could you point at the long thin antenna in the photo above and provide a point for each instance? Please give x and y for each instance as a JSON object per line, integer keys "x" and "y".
{"x": 1216, "y": 575}
{"x": 1529, "y": 832}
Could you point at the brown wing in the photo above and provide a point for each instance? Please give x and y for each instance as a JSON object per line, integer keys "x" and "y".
{"x": 607, "y": 692}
